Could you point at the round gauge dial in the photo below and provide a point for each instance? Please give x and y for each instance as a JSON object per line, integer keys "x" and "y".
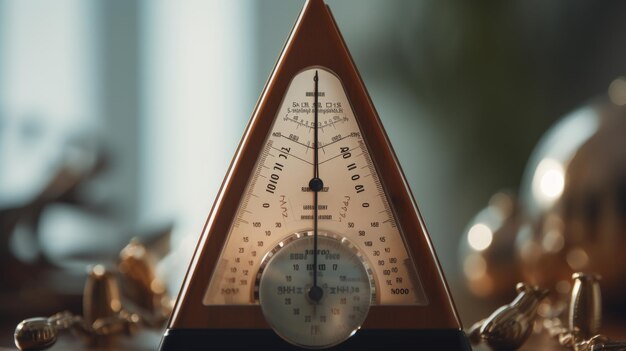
{"x": 284, "y": 287}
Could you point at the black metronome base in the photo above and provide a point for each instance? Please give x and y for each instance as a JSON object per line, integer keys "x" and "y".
{"x": 247, "y": 339}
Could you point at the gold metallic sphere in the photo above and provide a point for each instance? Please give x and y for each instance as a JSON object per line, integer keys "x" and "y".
{"x": 574, "y": 198}
{"x": 487, "y": 249}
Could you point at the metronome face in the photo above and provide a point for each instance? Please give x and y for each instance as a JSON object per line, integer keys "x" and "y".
{"x": 314, "y": 240}
{"x": 362, "y": 259}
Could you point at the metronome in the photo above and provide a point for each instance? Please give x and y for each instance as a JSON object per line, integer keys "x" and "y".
{"x": 314, "y": 239}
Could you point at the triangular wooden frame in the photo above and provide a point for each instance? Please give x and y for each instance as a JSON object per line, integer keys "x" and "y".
{"x": 314, "y": 41}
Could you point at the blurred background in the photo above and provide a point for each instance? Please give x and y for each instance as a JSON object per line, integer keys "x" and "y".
{"x": 118, "y": 119}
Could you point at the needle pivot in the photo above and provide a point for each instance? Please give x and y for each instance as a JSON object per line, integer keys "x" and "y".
{"x": 316, "y": 293}
{"x": 316, "y": 184}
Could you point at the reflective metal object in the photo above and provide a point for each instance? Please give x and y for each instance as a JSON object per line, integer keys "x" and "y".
{"x": 584, "y": 319}
{"x": 104, "y": 314}
{"x": 40, "y": 333}
{"x": 487, "y": 249}
{"x": 509, "y": 326}
{"x": 35, "y": 334}
{"x": 473, "y": 333}
{"x": 585, "y": 312}
{"x": 574, "y": 196}
{"x": 600, "y": 343}
{"x": 101, "y": 296}
{"x": 144, "y": 288}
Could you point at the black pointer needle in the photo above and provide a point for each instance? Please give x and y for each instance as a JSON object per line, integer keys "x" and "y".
{"x": 316, "y": 184}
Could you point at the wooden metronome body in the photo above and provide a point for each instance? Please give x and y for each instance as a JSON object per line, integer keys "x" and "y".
{"x": 255, "y": 281}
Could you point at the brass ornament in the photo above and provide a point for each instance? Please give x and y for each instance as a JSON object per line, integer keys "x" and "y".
{"x": 145, "y": 291}
{"x": 487, "y": 247}
{"x": 570, "y": 214}
{"x": 41, "y": 333}
{"x": 508, "y": 327}
{"x": 35, "y": 334}
{"x": 101, "y": 295}
{"x": 585, "y": 318}
{"x": 106, "y": 314}
{"x": 573, "y": 197}
{"x": 585, "y": 312}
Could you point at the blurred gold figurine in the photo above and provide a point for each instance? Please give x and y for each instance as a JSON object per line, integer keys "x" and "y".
{"x": 510, "y": 326}
{"x": 585, "y": 312}
{"x": 105, "y": 316}
{"x": 585, "y": 318}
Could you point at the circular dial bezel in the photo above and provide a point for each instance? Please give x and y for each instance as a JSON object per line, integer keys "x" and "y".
{"x": 345, "y": 243}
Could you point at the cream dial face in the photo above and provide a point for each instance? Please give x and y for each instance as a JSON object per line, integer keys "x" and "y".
{"x": 278, "y": 202}
{"x": 285, "y": 281}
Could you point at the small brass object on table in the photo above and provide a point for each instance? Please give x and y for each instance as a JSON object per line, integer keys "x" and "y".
{"x": 101, "y": 295}
{"x": 584, "y": 320}
{"x": 600, "y": 343}
{"x": 510, "y": 326}
{"x": 40, "y": 333}
{"x": 144, "y": 289}
{"x": 585, "y": 312}
{"x": 105, "y": 315}
{"x": 35, "y": 334}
